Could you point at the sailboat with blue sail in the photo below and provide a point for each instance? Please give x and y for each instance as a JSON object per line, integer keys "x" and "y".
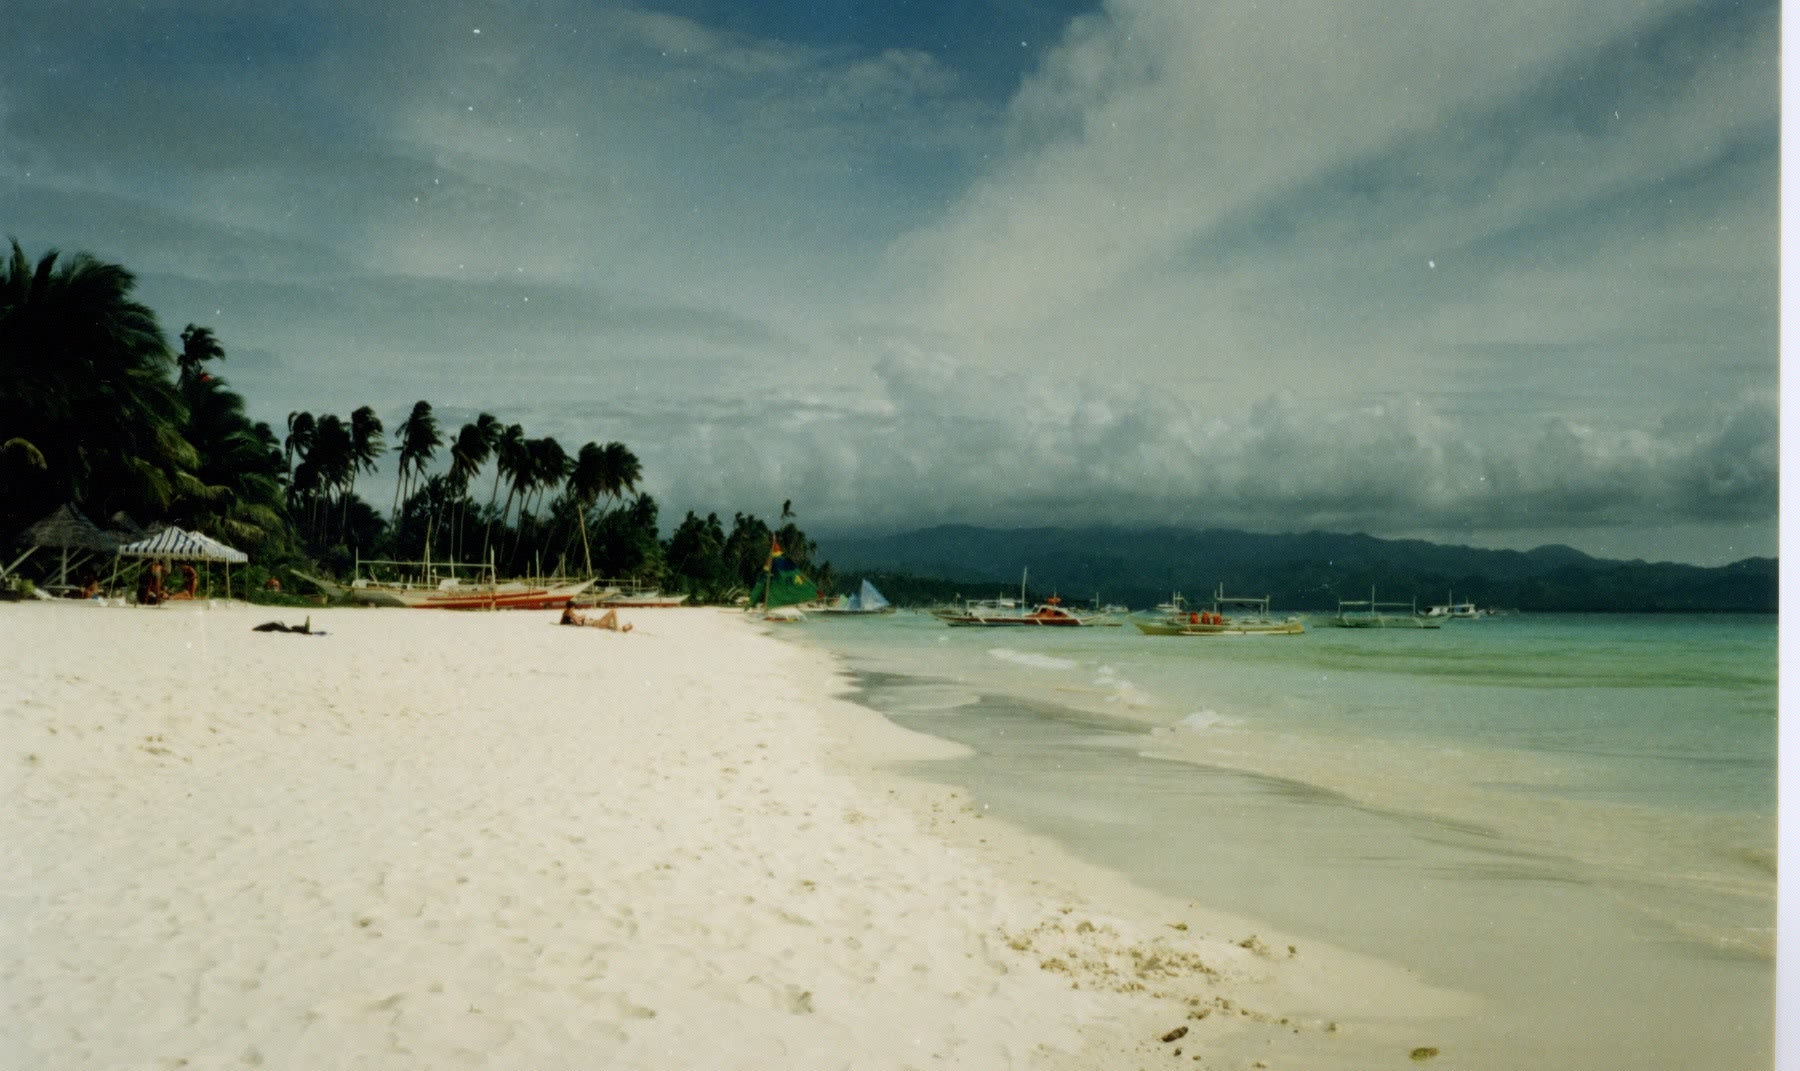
{"x": 869, "y": 600}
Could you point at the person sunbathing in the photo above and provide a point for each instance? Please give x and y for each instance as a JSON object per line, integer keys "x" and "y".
{"x": 304, "y": 629}
{"x": 190, "y": 583}
{"x": 607, "y": 620}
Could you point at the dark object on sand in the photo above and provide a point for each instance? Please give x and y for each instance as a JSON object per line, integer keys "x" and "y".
{"x": 276, "y": 626}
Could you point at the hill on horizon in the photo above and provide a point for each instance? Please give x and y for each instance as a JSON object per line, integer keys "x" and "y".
{"x": 1303, "y": 571}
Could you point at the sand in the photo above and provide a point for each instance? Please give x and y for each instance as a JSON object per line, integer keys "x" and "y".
{"x": 432, "y": 840}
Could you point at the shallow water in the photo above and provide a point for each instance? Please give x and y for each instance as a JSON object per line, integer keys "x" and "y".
{"x": 1571, "y": 817}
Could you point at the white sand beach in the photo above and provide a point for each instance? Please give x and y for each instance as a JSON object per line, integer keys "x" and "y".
{"x": 432, "y": 840}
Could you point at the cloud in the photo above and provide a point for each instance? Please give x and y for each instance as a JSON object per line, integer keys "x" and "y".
{"x": 1287, "y": 193}
{"x": 945, "y": 442}
{"x": 1254, "y": 262}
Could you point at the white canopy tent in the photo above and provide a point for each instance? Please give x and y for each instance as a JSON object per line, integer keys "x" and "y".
{"x": 179, "y": 544}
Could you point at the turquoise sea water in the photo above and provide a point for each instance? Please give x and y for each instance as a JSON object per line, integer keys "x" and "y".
{"x": 1570, "y": 817}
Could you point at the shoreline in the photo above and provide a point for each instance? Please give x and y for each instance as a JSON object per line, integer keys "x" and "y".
{"x": 1607, "y": 921}
{"x": 429, "y": 840}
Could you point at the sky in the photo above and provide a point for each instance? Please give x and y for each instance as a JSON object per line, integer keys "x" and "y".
{"x": 1500, "y": 273}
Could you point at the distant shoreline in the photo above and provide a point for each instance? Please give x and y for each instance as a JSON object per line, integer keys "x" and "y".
{"x": 1301, "y": 572}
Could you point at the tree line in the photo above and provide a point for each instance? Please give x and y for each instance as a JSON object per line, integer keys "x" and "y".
{"x": 99, "y": 410}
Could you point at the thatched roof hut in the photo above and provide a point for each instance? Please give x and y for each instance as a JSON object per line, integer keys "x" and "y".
{"x": 69, "y": 529}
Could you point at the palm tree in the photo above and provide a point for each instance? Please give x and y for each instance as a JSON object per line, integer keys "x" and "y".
{"x": 198, "y": 346}
{"x": 511, "y": 458}
{"x": 620, "y": 471}
{"x": 366, "y": 444}
{"x": 84, "y": 379}
{"x": 419, "y": 438}
{"x": 586, "y": 484}
{"x": 301, "y": 428}
{"x": 550, "y": 465}
{"x": 473, "y": 446}
{"x": 332, "y": 461}
{"x": 241, "y": 467}
{"x": 470, "y": 450}
{"x": 534, "y": 466}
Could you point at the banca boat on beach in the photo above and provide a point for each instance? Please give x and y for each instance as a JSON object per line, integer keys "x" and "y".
{"x": 1368, "y": 613}
{"x": 644, "y": 600}
{"x": 1231, "y": 615}
{"x": 627, "y": 594}
{"x": 431, "y": 591}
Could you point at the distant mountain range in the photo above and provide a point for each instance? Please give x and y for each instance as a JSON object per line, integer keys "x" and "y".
{"x": 1140, "y": 567}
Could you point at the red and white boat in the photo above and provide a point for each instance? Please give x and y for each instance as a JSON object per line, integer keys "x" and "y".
{"x": 1001, "y": 612}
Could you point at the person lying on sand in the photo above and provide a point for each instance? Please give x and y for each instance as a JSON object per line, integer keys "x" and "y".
{"x": 607, "y": 620}
{"x": 276, "y": 626}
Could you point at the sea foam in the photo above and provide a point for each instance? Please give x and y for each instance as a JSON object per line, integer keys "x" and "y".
{"x": 1205, "y": 719}
{"x": 1035, "y": 661}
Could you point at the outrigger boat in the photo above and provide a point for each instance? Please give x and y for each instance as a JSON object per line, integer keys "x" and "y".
{"x": 1003, "y": 612}
{"x": 1231, "y": 615}
{"x": 434, "y": 592}
{"x": 1453, "y": 610}
{"x": 628, "y": 594}
{"x": 998, "y": 612}
{"x": 1367, "y": 613}
{"x": 641, "y": 600}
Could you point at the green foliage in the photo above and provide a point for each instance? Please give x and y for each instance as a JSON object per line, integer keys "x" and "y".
{"x": 696, "y": 565}
{"x": 86, "y": 405}
{"x": 97, "y": 410}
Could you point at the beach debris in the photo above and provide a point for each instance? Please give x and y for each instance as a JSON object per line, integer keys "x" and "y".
{"x": 1175, "y": 1035}
{"x": 1422, "y": 1053}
